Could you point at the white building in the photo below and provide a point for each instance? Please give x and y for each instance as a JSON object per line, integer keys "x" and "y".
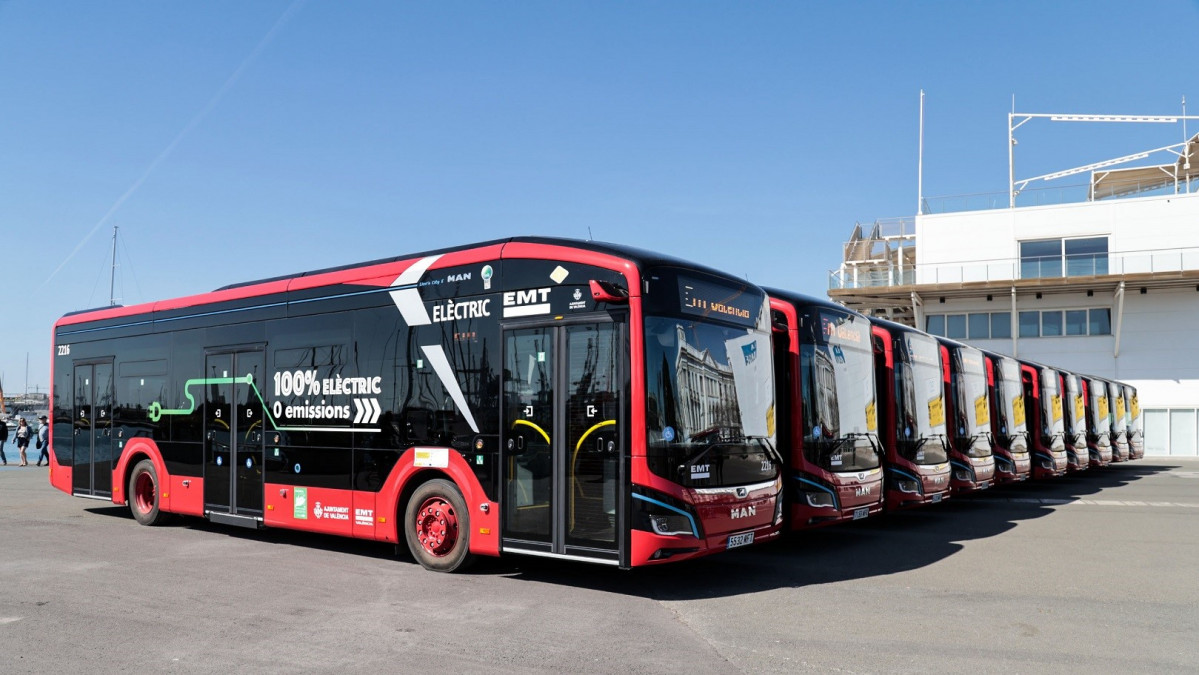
{"x": 1106, "y": 285}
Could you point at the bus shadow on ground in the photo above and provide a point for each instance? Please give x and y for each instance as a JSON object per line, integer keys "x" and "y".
{"x": 893, "y": 543}
{"x": 898, "y": 542}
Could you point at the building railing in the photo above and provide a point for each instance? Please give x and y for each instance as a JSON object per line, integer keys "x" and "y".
{"x": 1010, "y": 269}
{"x": 1049, "y": 196}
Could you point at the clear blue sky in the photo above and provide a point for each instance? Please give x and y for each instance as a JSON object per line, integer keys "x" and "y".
{"x": 239, "y": 140}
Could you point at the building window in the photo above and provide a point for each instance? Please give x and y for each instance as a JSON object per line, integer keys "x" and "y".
{"x": 1063, "y": 257}
{"x": 1040, "y": 259}
{"x": 955, "y": 326}
{"x": 934, "y": 324}
{"x": 978, "y": 326}
{"x": 1001, "y": 324}
{"x": 1076, "y": 322}
{"x": 1101, "y": 322}
{"x": 1051, "y": 323}
{"x": 1085, "y": 257}
{"x": 1030, "y": 324}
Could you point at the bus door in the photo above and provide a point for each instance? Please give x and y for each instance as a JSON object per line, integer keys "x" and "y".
{"x": 562, "y": 441}
{"x": 234, "y": 437}
{"x": 92, "y": 437}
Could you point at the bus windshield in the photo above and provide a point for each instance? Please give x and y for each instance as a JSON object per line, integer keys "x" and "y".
{"x": 1134, "y": 413}
{"x": 1074, "y": 409}
{"x": 1102, "y": 423}
{"x": 837, "y": 374}
{"x": 1115, "y": 399}
{"x": 971, "y": 407}
{"x": 710, "y": 405}
{"x": 1010, "y": 394}
{"x": 919, "y": 400}
{"x": 1052, "y": 426}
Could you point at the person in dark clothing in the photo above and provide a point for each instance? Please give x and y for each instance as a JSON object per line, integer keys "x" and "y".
{"x": 3, "y": 440}
{"x": 43, "y": 440}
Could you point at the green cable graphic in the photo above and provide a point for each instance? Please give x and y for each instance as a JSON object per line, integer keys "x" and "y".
{"x": 157, "y": 411}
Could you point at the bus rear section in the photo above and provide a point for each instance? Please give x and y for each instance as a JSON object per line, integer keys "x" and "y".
{"x": 1119, "y": 421}
{"x": 482, "y": 400}
{"x": 968, "y": 414}
{"x": 1074, "y": 422}
{"x": 1099, "y": 442}
{"x": 910, "y": 386}
{"x": 1135, "y": 430}
{"x": 1043, "y": 404}
{"x": 1009, "y": 433}
{"x": 824, "y": 374}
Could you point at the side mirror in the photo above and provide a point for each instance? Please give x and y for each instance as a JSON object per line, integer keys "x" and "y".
{"x": 605, "y": 291}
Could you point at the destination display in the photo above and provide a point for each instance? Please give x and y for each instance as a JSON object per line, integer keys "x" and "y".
{"x": 712, "y": 300}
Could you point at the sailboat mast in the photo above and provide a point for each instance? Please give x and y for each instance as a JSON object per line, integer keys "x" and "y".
{"x": 112, "y": 275}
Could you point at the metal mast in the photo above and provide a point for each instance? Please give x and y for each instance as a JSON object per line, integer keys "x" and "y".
{"x": 112, "y": 275}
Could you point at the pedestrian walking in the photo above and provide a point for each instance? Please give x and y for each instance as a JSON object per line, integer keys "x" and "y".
{"x": 43, "y": 440}
{"x": 22, "y": 436}
{"x": 3, "y": 440}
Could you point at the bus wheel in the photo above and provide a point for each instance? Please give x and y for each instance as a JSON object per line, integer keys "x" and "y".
{"x": 437, "y": 527}
{"x": 144, "y": 495}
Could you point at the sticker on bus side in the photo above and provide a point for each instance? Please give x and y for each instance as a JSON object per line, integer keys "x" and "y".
{"x": 1055, "y": 406}
{"x": 300, "y": 504}
{"x": 1103, "y": 411}
{"x": 434, "y": 458}
{"x": 1018, "y": 410}
{"x": 1079, "y": 410}
{"x": 936, "y": 411}
{"x": 1135, "y": 407}
{"x": 981, "y": 414}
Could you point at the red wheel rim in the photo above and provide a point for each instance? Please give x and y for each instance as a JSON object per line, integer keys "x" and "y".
{"x": 144, "y": 492}
{"x": 437, "y": 526}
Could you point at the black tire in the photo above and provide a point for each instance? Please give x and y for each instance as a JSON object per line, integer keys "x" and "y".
{"x": 145, "y": 495}
{"x": 438, "y": 512}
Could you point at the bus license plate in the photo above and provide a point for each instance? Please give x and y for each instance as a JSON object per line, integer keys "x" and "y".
{"x": 743, "y": 539}
{"x": 861, "y": 513}
{"x": 936, "y": 498}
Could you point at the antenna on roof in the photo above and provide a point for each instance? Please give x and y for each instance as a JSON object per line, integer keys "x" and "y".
{"x": 589, "y": 237}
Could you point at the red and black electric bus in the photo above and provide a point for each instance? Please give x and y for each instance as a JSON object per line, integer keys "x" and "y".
{"x": 1043, "y": 403}
{"x": 1133, "y": 428}
{"x": 540, "y": 396}
{"x": 828, "y": 426}
{"x": 1099, "y": 424}
{"x": 1009, "y": 434}
{"x": 1074, "y": 421}
{"x": 968, "y": 410}
{"x": 1119, "y": 427}
{"x": 910, "y": 383}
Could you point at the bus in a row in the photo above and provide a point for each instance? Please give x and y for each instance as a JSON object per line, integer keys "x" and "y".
{"x": 545, "y": 397}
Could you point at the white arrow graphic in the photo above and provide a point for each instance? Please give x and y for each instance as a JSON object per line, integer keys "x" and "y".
{"x": 377, "y": 410}
{"x": 358, "y": 411}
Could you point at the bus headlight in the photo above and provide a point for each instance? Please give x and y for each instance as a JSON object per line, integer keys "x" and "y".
{"x": 909, "y": 486}
{"x": 962, "y": 475}
{"x": 670, "y": 525}
{"x": 663, "y": 515}
{"x": 820, "y": 500}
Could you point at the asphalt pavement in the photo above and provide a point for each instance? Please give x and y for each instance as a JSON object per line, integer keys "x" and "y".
{"x": 1095, "y": 572}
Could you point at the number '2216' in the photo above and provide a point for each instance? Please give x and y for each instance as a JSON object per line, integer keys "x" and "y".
{"x": 64, "y": 350}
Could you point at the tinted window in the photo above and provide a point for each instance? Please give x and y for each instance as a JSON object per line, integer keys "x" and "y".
{"x": 1101, "y": 322}
{"x": 1051, "y": 323}
{"x": 1076, "y": 322}
{"x": 979, "y": 326}
{"x": 935, "y": 324}
{"x": 1001, "y": 324}
{"x": 955, "y": 326}
{"x": 1030, "y": 324}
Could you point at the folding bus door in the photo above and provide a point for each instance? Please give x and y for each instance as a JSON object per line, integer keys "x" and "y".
{"x": 562, "y": 443}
